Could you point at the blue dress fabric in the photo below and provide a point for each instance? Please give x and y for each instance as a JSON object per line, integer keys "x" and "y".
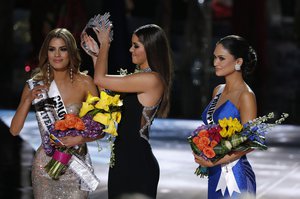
{"x": 242, "y": 170}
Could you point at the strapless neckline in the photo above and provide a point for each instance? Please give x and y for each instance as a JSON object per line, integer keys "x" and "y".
{"x": 227, "y": 109}
{"x": 224, "y": 104}
{"x": 73, "y": 108}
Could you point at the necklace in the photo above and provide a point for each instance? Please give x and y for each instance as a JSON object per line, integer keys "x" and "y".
{"x": 145, "y": 70}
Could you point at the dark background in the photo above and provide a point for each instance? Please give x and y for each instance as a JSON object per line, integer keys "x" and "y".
{"x": 272, "y": 27}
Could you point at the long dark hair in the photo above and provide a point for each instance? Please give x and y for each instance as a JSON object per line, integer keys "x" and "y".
{"x": 159, "y": 59}
{"x": 240, "y": 48}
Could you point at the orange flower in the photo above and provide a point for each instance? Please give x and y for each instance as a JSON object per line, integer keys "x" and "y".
{"x": 200, "y": 146}
{"x": 60, "y": 125}
{"x": 69, "y": 116}
{"x": 79, "y": 125}
{"x": 204, "y": 140}
{"x": 70, "y": 121}
{"x": 196, "y": 139}
{"x": 213, "y": 143}
{"x": 203, "y": 133}
{"x": 209, "y": 152}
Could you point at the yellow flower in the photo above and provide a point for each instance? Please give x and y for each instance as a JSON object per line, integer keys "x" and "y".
{"x": 104, "y": 102}
{"x": 103, "y": 118}
{"x": 224, "y": 132}
{"x": 230, "y": 131}
{"x": 229, "y": 121}
{"x": 230, "y": 126}
{"x": 116, "y": 100}
{"x": 111, "y": 129}
{"x": 237, "y": 125}
{"x": 86, "y": 107}
{"x": 223, "y": 123}
{"x": 116, "y": 116}
{"x": 91, "y": 99}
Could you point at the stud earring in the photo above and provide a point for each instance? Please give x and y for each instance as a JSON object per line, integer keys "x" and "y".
{"x": 237, "y": 67}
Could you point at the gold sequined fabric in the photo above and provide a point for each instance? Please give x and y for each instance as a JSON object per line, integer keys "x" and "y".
{"x": 68, "y": 185}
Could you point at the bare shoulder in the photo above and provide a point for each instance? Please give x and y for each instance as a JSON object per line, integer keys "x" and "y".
{"x": 86, "y": 83}
{"x": 151, "y": 75}
{"x": 152, "y": 79}
{"x": 247, "y": 105}
{"x": 247, "y": 100}
{"x": 247, "y": 94}
{"x": 85, "y": 78}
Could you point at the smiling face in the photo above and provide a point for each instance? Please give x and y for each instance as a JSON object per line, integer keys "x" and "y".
{"x": 223, "y": 61}
{"x": 58, "y": 55}
{"x": 138, "y": 53}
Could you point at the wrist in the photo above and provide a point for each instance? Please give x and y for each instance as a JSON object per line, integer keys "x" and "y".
{"x": 104, "y": 45}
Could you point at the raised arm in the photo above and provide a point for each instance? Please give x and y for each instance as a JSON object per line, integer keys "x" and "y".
{"x": 102, "y": 59}
{"x": 21, "y": 113}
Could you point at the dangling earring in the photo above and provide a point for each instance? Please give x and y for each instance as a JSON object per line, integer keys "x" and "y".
{"x": 237, "y": 67}
{"x": 71, "y": 74}
{"x": 48, "y": 73}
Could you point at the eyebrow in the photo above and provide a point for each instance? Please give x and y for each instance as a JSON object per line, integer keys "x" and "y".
{"x": 219, "y": 55}
{"x": 58, "y": 46}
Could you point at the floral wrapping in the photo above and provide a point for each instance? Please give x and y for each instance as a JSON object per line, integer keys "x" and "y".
{"x": 214, "y": 141}
{"x": 97, "y": 116}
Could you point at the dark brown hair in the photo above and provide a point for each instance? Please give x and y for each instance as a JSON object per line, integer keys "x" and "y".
{"x": 158, "y": 55}
{"x": 238, "y": 47}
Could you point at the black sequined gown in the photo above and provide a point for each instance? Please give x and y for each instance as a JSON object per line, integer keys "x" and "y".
{"x": 136, "y": 170}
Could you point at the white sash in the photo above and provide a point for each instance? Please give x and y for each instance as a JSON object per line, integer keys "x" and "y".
{"x": 212, "y": 106}
{"x": 59, "y": 108}
{"x": 227, "y": 179}
{"x": 46, "y": 117}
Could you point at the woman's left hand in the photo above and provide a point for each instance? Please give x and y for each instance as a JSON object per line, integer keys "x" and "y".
{"x": 70, "y": 141}
{"x": 201, "y": 161}
{"x": 103, "y": 34}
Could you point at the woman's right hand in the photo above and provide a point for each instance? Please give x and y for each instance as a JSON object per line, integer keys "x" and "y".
{"x": 89, "y": 45}
{"x": 28, "y": 96}
{"x": 36, "y": 92}
{"x": 201, "y": 161}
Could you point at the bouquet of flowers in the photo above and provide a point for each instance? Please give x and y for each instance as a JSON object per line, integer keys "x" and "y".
{"x": 107, "y": 111}
{"x": 214, "y": 141}
{"x": 97, "y": 116}
{"x": 71, "y": 125}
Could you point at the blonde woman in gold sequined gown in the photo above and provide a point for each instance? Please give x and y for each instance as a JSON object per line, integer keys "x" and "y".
{"x": 68, "y": 185}
{"x": 59, "y": 61}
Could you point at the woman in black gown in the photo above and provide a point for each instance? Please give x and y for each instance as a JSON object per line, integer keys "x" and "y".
{"x": 136, "y": 170}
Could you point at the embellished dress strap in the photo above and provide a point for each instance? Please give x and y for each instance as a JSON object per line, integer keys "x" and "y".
{"x": 148, "y": 115}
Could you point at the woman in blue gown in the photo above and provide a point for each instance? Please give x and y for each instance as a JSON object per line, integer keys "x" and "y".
{"x": 232, "y": 176}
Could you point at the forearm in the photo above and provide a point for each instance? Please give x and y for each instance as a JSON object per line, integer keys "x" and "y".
{"x": 19, "y": 118}
{"x": 100, "y": 136}
{"x": 101, "y": 64}
{"x": 71, "y": 141}
{"x": 94, "y": 59}
{"x": 231, "y": 157}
